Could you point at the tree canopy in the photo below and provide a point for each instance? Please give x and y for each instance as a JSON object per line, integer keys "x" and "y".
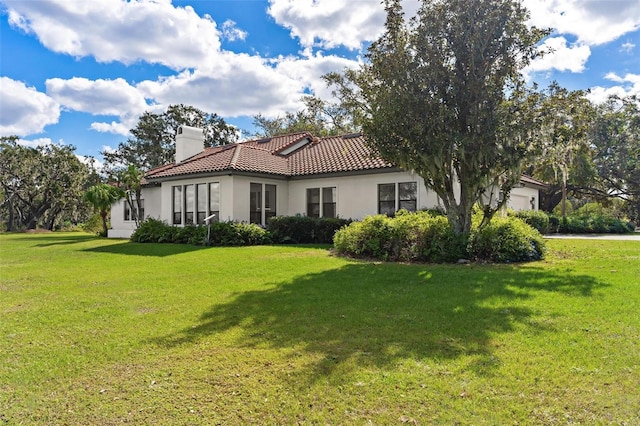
{"x": 615, "y": 137}
{"x": 101, "y": 196}
{"x": 443, "y": 95}
{"x": 42, "y": 186}
{"x": 565, "y": 155}
{"x": 153, "y": 139}
{"x": 319, "y": 117}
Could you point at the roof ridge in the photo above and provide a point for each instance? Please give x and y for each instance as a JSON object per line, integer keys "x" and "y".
{"x": 305, "y": 135}
{"x": 234, "y": 159}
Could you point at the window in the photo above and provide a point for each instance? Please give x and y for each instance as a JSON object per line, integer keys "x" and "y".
{"x": 329, "y": 202}
{"x": 214, "y": 201}
{"x": 130, "y": 215}
{"x": 269, "y": 202}
{"x": 387, "y": 198}
{"x": 313, "y": 202}
{"x": 257, "y": 214}
{"x": 192, "y": 204}
{"x": 189, "y": 204}
{"x": 407, "y": 197}
{"x": 255, "y": 203}
{"x": 321, "y": 202}
{"x": 201, "y": 202}
{"x": 177, "y": 205}
{"x": 127, "y": 211}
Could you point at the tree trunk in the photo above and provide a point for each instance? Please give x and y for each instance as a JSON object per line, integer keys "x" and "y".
{"x": 103, "y": 214}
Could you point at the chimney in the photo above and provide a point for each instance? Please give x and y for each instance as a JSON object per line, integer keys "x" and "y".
{"x": 189, "y": 142}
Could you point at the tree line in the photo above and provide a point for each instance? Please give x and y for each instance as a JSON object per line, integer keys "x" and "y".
{"x": 442, "y": 94}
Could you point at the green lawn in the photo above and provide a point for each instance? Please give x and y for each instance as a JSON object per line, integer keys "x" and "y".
{"x": 96, "y": 331}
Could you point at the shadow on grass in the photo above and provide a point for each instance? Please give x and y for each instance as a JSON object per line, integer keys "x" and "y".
{"x": 378, "y": 314}
{"x": 141, "y": 249}
{"x": 52, "y": 239}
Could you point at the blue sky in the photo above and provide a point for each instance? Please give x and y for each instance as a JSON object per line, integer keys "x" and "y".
{"x": 81, "y": 72}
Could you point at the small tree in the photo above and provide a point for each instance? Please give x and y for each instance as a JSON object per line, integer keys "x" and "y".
{"x": 153, "y": 139}
{"x": 615, "y": 136}
{"x": 101, "y": 197}
{"x": 320, "y": 118}
{"x": 443, "y": 95}
{"x": 566, "y": 117}
{"x": 130, "y": 181}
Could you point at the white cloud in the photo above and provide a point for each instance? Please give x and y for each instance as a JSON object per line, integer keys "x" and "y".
{"x": 118, "y": 30}
{"x": 34, "y": 143}
{"x": 231, "y": 32}
{"x": 115, "y": 127}
{"x": 561, "y": 56}
{"x": 592, "y": 21}
{"x": 24, "y": 110}
{"x": 98, "y": 97}
{"x": 627, "y": 47}
{"x": 629, "y": 85}
{"x": 240, "y": 85}
{"x": 90, "y": 161}
{"x": 309, "y": 71}
{"x": 330, "y": 23}
{"x": 101, "y": 97}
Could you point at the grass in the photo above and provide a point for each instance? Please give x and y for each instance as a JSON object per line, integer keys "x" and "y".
{"x": 96, "y": 331}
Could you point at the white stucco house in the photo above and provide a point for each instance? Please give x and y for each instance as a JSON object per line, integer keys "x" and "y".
{"x": 283, "y": 175}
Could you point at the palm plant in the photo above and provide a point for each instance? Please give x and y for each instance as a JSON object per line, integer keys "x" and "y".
{"x": 101, "y": 197}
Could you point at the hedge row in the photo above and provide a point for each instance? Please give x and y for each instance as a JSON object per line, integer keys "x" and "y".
{"x": 281, "y": 229}
{"x": 304, "y": 229}
{"x": 579, "y": 222}
{"x": 222, "y": 234}
{"x": 425, "y": 237}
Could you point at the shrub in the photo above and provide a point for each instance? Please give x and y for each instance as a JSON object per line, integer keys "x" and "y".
{"x": 372, "y": 237}
{"x": 507, "y": 240}
{"x": 418, "y": 236}
{"x": 291, "y": 229}
{"x": 93, "y": 225}
{"x": 424, "y": 236}
{"x": 325, "y": 228}
{"x": 535, "y": 218}
{"x": 152, "y": 231}
{"x": 221, "y": 234}
{"x": 304, "y": 229}
{"x": 250, "y": 234}
{"x": 589, "y": 221}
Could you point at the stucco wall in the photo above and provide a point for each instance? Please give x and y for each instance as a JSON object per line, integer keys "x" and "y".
{"x": 226, "y": 195}
{"x": 520, "y": 199}
{"x": 240, "y": 196}
{"x": 152, "y": 208}
{"x": 357, "y": 195}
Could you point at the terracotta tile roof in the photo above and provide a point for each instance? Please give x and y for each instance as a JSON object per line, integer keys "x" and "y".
{"x": 279, "y": 143}
{"x": 528, "y": 179}
{"x": 326, "y": 155}
{"x": 335, "y": 154}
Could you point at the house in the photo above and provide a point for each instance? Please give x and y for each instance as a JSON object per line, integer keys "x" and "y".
{"x": 290, "y": 174}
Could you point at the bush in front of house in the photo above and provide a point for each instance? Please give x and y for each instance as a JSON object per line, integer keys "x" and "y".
{"x": 93, "y": 225}
{"x": 507, "y": 239}
{"x": 424, "y": 237}
{"x": 592, "y": 224}
{"x": 537, "y": 219}
{"x": 371, "y": 237}
{"x": 590, "y": 218}
{"x": 304, "y": 229}
{"x": 221, "y": 234}
{"x": 418, "y": 236}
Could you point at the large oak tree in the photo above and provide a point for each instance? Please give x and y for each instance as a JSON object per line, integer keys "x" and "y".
{"x": 42, "y": 186}
{"x": 153, "y": 139}
{"x": 443, "y": 95}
